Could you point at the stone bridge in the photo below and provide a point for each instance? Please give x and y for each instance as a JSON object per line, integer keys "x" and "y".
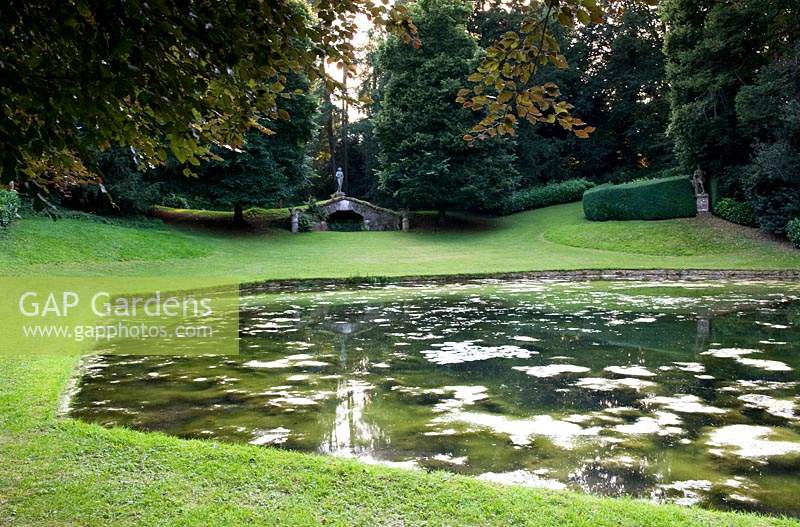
{"x": 344, "y": 209}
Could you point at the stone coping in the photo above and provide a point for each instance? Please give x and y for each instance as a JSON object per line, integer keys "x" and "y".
{"x": 360, "y": 202}
{"x": 655, "y": 275}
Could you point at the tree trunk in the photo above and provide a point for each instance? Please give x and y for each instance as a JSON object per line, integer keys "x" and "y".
{"x": 345, "y": 122}
{"x": 329, "y": 133}
{"x": 238, "y": 215}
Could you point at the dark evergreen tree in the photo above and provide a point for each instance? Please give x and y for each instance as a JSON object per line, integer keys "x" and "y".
{"x": 425, "y": 162}
{"x": 269, "y": 171}
{"x": 733, "y": 99}
{"x": 713, "y": 49}
{"x": 616, "y": 81}
{"x": 769, "y": 113}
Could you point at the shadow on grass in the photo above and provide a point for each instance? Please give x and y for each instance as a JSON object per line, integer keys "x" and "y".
{"x": 428, "y": 221}
{"x": 260, "y": 221}
{"x": 257, "y": 221}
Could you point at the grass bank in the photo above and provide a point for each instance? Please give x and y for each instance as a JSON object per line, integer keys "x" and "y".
{"x": 555, "y": 238}
{"x": 61, "y": 472}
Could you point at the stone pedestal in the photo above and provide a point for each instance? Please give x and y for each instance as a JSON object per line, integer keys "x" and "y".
{"x": 295, "y": 220}
{"x": 337, "y": 195}
{"x": 405, "y": 224}
{"x": 703, "y": 204}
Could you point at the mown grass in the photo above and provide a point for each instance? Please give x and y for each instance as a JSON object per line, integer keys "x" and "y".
{"x": 678, "y": 237}
{"x": 57, "y": 471}
{"x": 555, "y": 238}
{"x": 36, "y": 241}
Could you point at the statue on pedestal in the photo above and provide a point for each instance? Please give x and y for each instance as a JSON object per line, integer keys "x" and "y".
{"x": 339, "y": 180}
{"x": 699, "y": 181}
{"x": 700, "y": 194}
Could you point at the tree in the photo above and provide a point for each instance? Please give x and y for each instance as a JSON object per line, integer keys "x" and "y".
{"x": 425, "y": 162}
{"x": 620, "y": 88}
{"x": 769, "y": 113}
{"x": 181, "y": 78}
{"x": 615, "y": 79}
{"x": 268, "y": 171}
{"x": 731, "y": 99}
{"x": 165, "y": 78}
{"x": 713, "y": 49}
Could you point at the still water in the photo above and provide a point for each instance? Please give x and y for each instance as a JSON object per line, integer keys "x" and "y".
{"x": 682, "y": 392}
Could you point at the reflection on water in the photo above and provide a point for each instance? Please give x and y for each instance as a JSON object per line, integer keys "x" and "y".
{"x": 683, "y": 392}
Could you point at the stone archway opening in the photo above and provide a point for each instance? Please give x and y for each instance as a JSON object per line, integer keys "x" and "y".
{"x": 345, "y": 220}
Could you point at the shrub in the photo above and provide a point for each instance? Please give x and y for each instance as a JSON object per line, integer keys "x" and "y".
{"x": 773, "y": 186}
{"x": 544, "y": 196}
{"x": 650, "y": 199}
{"x": 793, "y": 232}
{"x": 9, "y": 207}
{"x": 310, "y": 215}
{"x": 735, "y": 212}
{"x": 175, "y": 201}
{"x": 125, "y": 190}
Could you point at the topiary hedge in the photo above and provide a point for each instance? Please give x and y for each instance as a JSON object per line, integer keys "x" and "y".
{"x": 650, "y": 199}
{"x": 9, "y": 207}
{"x": 735, "y": 212}
{"x": 546, "y": 195}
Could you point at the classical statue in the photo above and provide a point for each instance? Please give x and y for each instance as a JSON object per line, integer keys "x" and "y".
{"x": 699, "y": 181}
{"x": 339, "y": 180}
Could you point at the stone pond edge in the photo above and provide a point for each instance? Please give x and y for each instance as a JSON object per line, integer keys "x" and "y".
{"x": 580, "y": 274}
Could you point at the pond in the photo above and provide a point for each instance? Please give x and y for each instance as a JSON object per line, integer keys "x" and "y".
{"x": 683, "y": 391}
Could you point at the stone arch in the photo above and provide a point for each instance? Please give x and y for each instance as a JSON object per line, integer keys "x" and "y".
{"x": 373, "y": 218}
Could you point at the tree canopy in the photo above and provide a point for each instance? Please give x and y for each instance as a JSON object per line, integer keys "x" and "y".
{"x": 165, "y": 78}
{"x": 425, "y": 163}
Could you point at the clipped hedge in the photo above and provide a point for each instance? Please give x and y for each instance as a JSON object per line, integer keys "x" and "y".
{"x": 793, "y": 232}
{"x": 735, "y": 212}
{"x": 546, "y": 195}
{"x": 9, "y": 207}
{"x": 650, "y": 199}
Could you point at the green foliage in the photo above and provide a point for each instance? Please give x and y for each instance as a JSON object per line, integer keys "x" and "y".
{"x": 546, "y": 195}
{"x": 615, "y": 79}
{"x": 425, "y": 162}
{"x": 736, "y": 107}
{"x": 713, "y": 49}
{"x": 9, "y": 207}
{"x": 774, "y": 186}
{"x": 651, "y": 199}
{"x": 269, "y": 171}
{"x": 769, "y": 110}
{"x": 619, "y": 88}
{"x": 129, "y": 190}
{"x": 736, "y": 212}
{"x": 255, "y": 218}
{"x": 310, "y": 215}
{"x": 163, "y": 77}
{"x": 793, "y": 232}
{"x": 175, "y": 201}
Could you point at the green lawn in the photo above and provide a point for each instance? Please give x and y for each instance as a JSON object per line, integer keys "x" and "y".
{"x": 60, "y": 472}
{"x": 547, "y": 239}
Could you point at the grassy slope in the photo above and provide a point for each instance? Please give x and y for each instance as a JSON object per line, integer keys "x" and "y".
{"x": 61, "y": 472}
{"x": 530, "y": 241}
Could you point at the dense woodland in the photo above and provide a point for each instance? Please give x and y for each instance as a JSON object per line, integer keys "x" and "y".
{"x": 665, "y": 89}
